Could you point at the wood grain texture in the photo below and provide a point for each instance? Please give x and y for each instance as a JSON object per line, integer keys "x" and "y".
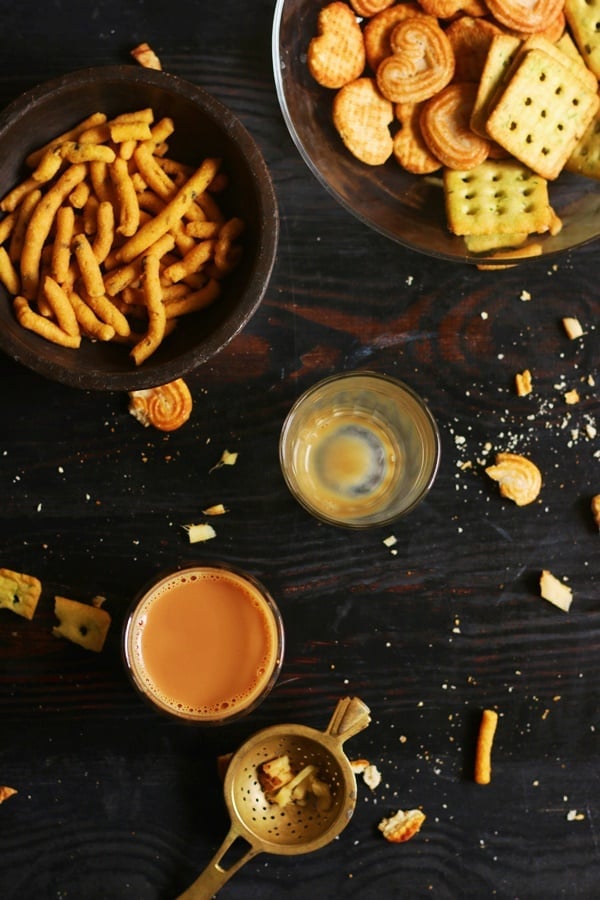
{"x": 115, "y": 802}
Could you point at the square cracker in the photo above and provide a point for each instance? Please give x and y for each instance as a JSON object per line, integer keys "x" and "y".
{"x": 496, "y": 197}
{"x": 81, "y": 623}
{"x": 583, "y": 16}
{"x": 500, "y": 56}
{"x": 19, "y": 592}
{"x": 585, "y": 158}
{"x": 542, "y": 113}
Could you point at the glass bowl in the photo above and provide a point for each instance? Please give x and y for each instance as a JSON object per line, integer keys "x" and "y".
{"x": 408, "y": 209}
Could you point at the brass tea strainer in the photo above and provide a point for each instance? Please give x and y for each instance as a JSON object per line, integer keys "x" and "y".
{"x": 268, "y": 828}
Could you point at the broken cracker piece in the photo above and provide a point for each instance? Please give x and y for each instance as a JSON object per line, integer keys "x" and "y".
{"x": 523, "y": 383}
{"x": 572, "y": 327}
{"x": 555, "y": 591}
{"x": 81, "y": 623}
{"x": 201, "y": 532}
{"x": 19, "y": 593}
{"x": 519, "y": 478}
{"x": 572, "y": 397}
{"x": 402, "y": 825}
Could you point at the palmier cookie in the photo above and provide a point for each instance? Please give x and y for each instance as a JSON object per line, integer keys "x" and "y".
{"x": 336, "y": 55}
{"x": 368, "y": 8}
{"x": 525, "y": 15}
{"x": 421, "y": 64}
{"x": 445, "y": 126}
{"x": 377, "y": 31}
{"x": 166, "y": 406}
{"x": 362, "y": 118}
{"x": 449, "y": 9}
{"x": 410, "y": 150}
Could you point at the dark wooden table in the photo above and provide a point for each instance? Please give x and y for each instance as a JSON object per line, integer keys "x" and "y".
{"x": 116, "y": 802}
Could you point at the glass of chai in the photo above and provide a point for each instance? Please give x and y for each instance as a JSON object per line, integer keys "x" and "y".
{"x": 204, "y": 643}
{"x": 359, "y": 449}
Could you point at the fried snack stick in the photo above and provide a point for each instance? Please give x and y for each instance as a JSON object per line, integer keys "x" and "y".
{"x": 89, "y": 321}
{"x": 129, "y": 209}
{"x": 152, "y": 291}
{"x": 61, "y": 248}
{"x": 174, "y": 210}
{"x": 59, "y": 303}
{"x": 40, "y": 224}
{"x": 71, "y": 135}
{"x": 487, "y": 730}
{"x": 43, "y": 326}
{"x": 9, "y": 276}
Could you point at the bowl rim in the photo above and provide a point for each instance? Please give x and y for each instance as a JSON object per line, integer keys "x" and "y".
{"x": 230, "y": 124}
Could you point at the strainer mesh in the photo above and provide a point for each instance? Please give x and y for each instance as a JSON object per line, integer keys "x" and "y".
{"x": 294, "y": 823}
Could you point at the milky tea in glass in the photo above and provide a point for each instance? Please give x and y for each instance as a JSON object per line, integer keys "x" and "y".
{"x": 359, "y": 449}
{"x": 204, "y": 643}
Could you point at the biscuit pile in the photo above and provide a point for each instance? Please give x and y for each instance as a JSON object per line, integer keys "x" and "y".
{"x": 500, "y": 96}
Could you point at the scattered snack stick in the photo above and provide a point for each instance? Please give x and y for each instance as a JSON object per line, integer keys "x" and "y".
{"x": 555, "y": 591}
{"x": 19, "y": 593}
{"x": 519, "y": 478}
{"x": 81, "y": 623}
{"x": 6, "y": 792}
{"x": 166, "y": 406}
{"x": 483, "y": 753}
{"x": 402, "y": 825}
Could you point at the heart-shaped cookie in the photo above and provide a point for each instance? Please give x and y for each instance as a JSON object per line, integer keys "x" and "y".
{"x": 362, "y": 118}
{"x": 421, "y": 64}
{"x": 336, "y": 55}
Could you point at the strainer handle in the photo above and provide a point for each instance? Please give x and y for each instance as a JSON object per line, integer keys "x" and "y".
{"x": 350, "y": 716}
{"x": 214, "y": 875}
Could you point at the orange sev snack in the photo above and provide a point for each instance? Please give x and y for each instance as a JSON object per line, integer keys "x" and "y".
{"x": 89, "y": 224}
{"x": 485, "y": 740}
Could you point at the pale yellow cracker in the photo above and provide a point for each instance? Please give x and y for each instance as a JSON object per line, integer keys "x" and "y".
{"x": 583, "y": 17}
{"x": 81, "y": 623}
{"x": 497, "y": 197}
{"x": 585, "y": 158}
{"x": 542, "y": 113}
{"x": 19, "y": 593}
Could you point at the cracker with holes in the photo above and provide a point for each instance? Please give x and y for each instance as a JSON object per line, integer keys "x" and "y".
{"x": 582, "y": 16}
{"x": 585, "y": 158}
{"x": 19, "y": 593}
{"x": 496, "y": 197}
{"x": 542, "y": 113}
{"x": 81, "y": 623}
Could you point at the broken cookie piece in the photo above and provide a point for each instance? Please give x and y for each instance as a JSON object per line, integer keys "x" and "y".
{"x": 519, "y": 478}
{"x": 402, "y": 825}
